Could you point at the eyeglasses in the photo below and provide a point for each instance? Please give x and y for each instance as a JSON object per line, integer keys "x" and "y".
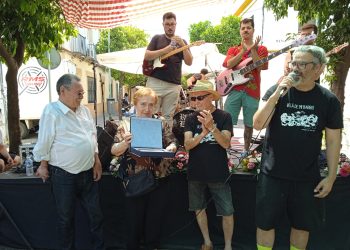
{"x": 199, "y": 98}
{"x": 170, "y": 24}
{"x": 299, "y": 65}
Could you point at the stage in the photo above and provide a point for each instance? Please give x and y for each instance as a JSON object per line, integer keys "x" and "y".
{"x": 30, "y": 206}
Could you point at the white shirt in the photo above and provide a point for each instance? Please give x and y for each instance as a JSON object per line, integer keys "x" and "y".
{"x": 67, "y": 139}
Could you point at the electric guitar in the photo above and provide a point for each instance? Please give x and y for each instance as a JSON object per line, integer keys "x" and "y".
{"x": 233, "y": 77}
{"x": 149, "y": 66}
{"x": 337, "y": 49}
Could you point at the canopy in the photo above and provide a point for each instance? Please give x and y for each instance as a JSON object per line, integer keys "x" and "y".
{"x": 102, "y": 14}
{"x": 204, "y": 56}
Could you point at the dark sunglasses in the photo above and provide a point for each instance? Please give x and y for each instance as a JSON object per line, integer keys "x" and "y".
{"x": 199, "y": 98}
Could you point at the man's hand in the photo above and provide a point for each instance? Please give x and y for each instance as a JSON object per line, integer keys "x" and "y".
{"x": 97, "y": 169}
{"x": 42, "y": 172}
{"x": 178, "y": 40}
{"x": 206, "y": 119}
{"x": 256, "y": 43}
{"x": 323, "y": 188}
{"x": 244, "y": 47}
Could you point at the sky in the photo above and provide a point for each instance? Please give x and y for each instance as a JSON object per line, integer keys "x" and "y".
{"x": 152, "y": 25}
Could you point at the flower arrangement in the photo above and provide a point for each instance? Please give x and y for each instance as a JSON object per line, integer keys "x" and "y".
{"x": 180, "y": 161}
{"x": 251, "y": 162}
{"x": 231, "y": 159}
{"x": 344, "y": 165}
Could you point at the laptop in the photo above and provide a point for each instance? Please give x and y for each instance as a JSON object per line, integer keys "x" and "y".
{"x": 147, "y": 138}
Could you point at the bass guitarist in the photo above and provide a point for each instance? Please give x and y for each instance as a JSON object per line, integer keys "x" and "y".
{"x": 166, "y": 81}
{"x": 245, "y": 95}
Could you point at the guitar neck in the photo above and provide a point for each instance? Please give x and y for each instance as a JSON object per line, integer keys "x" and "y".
{"x": 260, "y": 62}
{"x": 175, "y": 51}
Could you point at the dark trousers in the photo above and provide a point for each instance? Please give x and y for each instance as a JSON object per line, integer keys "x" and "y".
{"x": 145, "y": 216}
{"x": 67, "y": 188}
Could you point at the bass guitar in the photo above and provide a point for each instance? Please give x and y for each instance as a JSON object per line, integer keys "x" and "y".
{"x": 149, "y": 66}
{"x": 337, "y": 49}
{"x": 236, "y": 76}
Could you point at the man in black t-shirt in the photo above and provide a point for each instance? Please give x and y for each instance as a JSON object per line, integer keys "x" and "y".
{"x": 166, "y": 80}
{"x": 207, "y": 136}
{"x": 295, "y": 113}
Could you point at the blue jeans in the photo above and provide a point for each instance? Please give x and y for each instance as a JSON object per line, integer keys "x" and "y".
{"x": 67, "y": 188}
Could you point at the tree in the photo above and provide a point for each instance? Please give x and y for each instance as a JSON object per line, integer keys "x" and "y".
{"x": 28, "y": 28}
{"x": 122, "y": 38}
{"x": 333, "y": 20}
{"x": 226, "y": 33}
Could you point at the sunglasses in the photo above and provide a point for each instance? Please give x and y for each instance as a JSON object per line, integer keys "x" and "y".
{"x": 199, "y": 98}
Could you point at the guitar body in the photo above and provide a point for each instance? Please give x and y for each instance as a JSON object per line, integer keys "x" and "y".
{"x": 236, "y": 76}
{"x": 147, "y": 67}
{"x": 232, "y": 77}
{"x": 157, "y": 63}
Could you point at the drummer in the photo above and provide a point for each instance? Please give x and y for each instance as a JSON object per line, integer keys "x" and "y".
{"x": 195, "y": 77}
{"x": 207, "y": 136}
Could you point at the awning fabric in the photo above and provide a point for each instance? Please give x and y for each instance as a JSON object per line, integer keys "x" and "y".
{"x": 102, "y": 14}
{"x": 204, "y": 56}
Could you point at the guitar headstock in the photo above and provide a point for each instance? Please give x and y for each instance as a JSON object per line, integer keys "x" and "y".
{"x": 337, "y": 49}
{"x": 304, "y": 40}
{"x": 197, "y": 43}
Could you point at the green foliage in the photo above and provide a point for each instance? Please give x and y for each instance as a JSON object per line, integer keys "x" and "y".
{"x": 28, "y": 28}
{"x": 123, "y": 38}
{"x": 333, "y": 20}
{"x": 226, "y": 33}
{"x": 38, "y": 23}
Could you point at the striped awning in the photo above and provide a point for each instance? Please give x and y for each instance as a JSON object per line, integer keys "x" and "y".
{"x": 102, "y": 14}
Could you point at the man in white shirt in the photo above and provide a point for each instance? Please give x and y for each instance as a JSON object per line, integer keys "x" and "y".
{"x": 67, "y": 152}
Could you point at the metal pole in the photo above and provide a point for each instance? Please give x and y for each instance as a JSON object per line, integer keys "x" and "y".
{"x": 103, "y": 97}
{"x": 49, "y": 74}
{"x": 95, "y": 93}
{"x": 110, "y": 87}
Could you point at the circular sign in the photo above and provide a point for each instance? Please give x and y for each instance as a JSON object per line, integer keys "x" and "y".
{"x": 32, "y": 80}
{"x": 53, "y": 57}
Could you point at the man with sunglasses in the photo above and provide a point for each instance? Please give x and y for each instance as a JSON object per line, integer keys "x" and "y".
{"x": 207, "y": 136}
{"x": 245, "y": 96}
{"x": 166, "y": 80}
{"x": 295, "y": 114}
{"x": 67, "y": 152}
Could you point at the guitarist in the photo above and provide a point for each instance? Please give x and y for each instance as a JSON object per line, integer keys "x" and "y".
{"x": 166, "y": 81}
{"x": 306, "y": 30}
{"x": 246, "y": 95}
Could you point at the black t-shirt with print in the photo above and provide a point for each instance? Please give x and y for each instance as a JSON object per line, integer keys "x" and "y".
{"x": 208, "y": 160}
{"x": 171, "y": 71}
{"x": 294, "y": 136}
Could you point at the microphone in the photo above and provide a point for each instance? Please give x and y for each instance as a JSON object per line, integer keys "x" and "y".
{"x": 294, "y": 78}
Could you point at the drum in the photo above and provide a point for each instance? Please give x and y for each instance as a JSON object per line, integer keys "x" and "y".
{"x": 179, "y": 124}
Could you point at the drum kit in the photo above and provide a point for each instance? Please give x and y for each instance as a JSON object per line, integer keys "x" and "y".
{"x": 185, "y": 109}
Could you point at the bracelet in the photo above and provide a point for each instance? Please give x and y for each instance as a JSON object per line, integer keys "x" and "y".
{"x": 213, "y": 129}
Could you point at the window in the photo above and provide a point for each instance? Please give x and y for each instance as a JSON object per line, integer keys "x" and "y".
{"x": 91, "y": 90}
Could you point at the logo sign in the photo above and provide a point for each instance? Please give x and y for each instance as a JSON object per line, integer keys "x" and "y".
{"x": 32, "y": 80}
